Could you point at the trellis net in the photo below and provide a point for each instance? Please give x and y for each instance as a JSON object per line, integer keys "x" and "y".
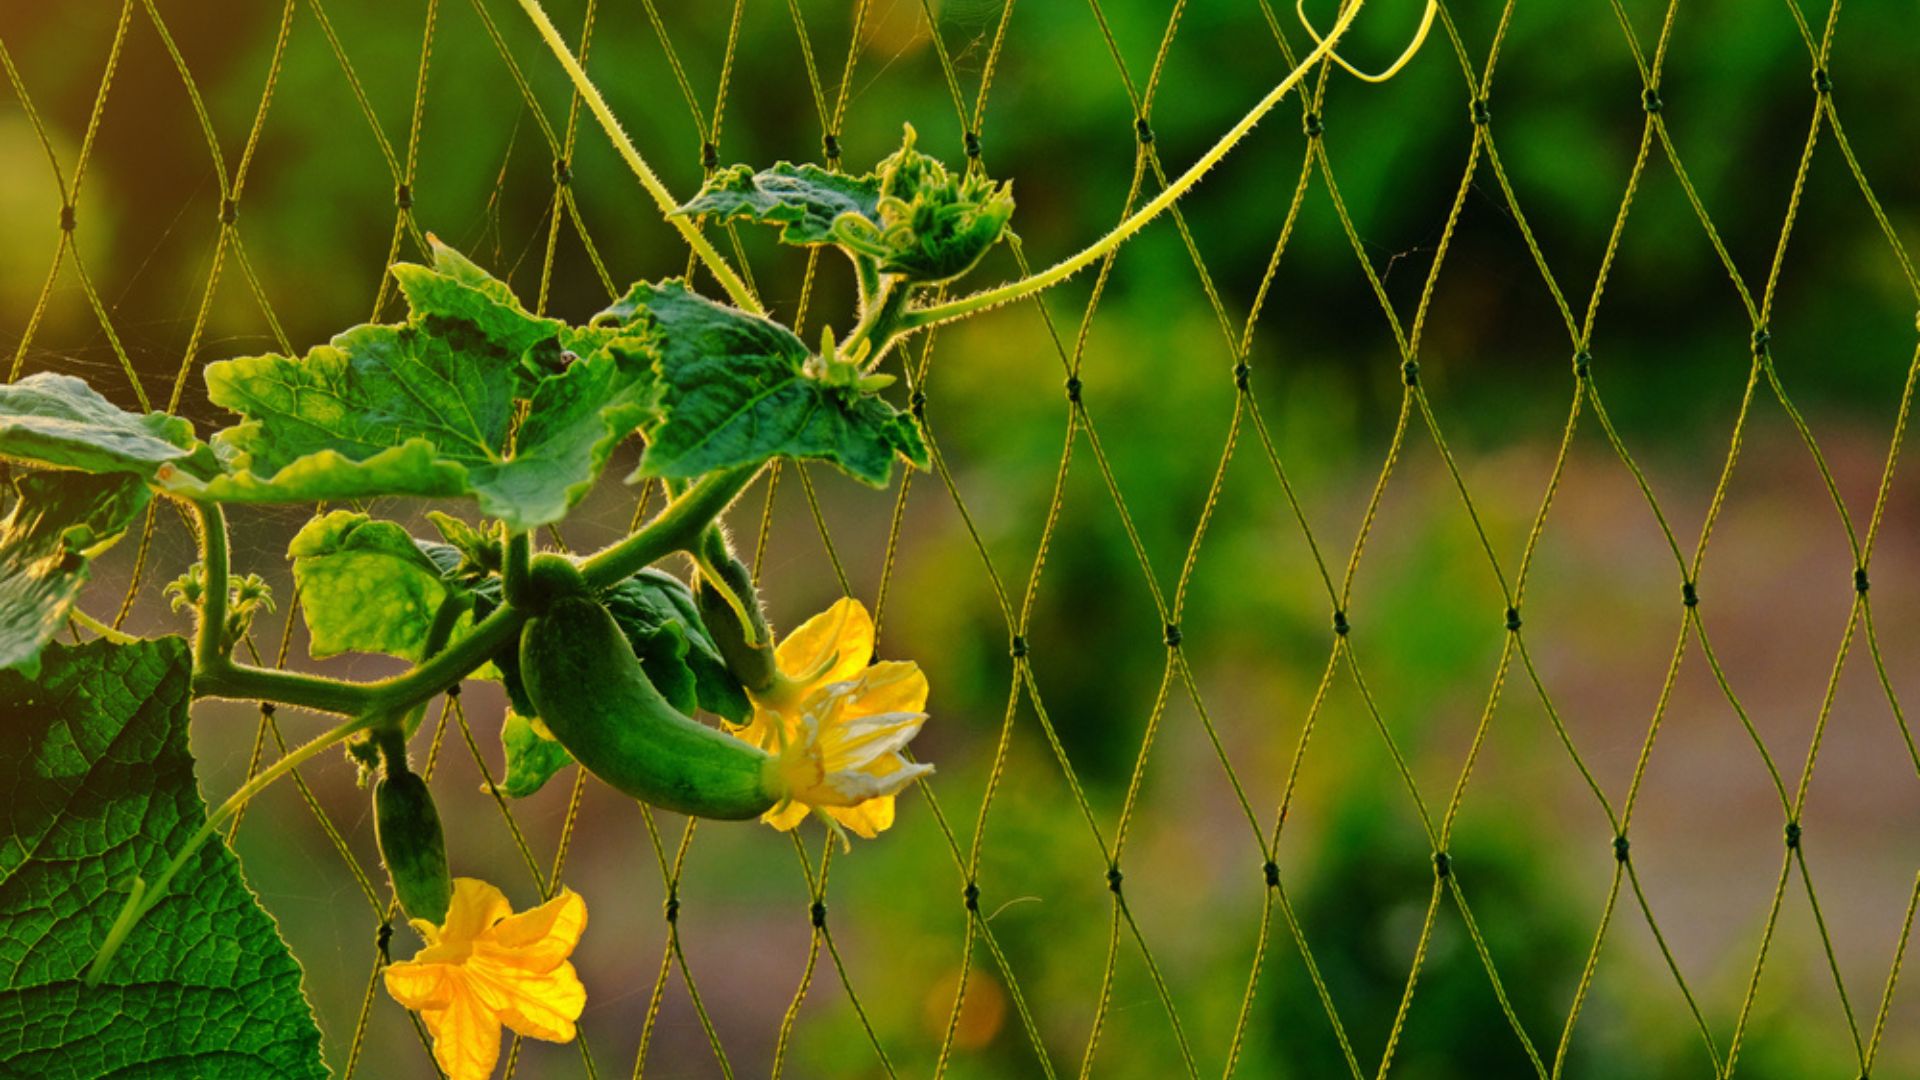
{"x": 1329, "y": 675}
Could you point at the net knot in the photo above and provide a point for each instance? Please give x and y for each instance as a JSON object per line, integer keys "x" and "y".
{"x": 453, "y": 691}
{"x": 673, "y": 908}
{"x": 1481, "y": 113}
{"x": 1582, "y": 364}
{"x": 267, "y": 708}
{"x": 66, "y": 217}
{"x": 229, "y": 209}
{"x": 1442, "y": 864}
{"x": 817, "y": 911}
{"x": 1513, "y": 618}
{"x": 1073, "y": 389}
{"x": 1860, "y": 579}
{"x": 972, "y": 141}
{"x": 919, "y": 403}
{"x": 403, "y": 196}
{"x": 709, "y": 156}
{"x": 1114, "y": 877}
{"x": 1689, "y": 595}
{"x": 1240, "y": 373}
{"x": 562, "y": 172}
{"x": 972, "y": 896}
{"x": 1793, "y": 835}
{"x": 1822, "y": 82}
{"x": 1018, "y": 646}
{"x": 1172, "y": 635}
{"x": 1620, "y": 848}
{"x": 1313, "y": 125}
{"x": 383, "y": 940}
{"x": 1272, "y": 870}
{"x": 1410, "y": 371}
{"x": 1761, "y": 339}
{"x": 1143, "y": 131}
{"x": 1650, "y": 100}
{"x": 831, "y": 143}
{"x": 1340, "y": 624}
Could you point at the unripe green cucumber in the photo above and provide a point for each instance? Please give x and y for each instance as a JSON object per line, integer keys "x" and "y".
{"x": 412, "y": 845}
{"x": 594, "y": 696}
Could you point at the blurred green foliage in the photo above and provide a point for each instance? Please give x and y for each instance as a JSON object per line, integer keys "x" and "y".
{"x": 1670, "y": 347}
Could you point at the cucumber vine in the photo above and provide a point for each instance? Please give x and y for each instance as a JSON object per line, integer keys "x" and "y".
{"x": 475, "y": 398}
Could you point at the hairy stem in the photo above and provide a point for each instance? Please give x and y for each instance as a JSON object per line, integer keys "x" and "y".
{"x": 677, "y": 528}
{"x": 1060, "y": 271}
{"x": 513, "y": 571}
{"x": 146, "y": 895}
{"x": 210, "y": 646}
{"x": 716, "y": 263}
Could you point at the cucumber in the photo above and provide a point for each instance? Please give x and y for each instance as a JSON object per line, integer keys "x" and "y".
{"x": 594, "y": 696}
{"x": 412, "y": 845}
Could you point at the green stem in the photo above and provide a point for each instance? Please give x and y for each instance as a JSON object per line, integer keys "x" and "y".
{"x": 717, "y": 264}
{"x": 1060, "y": 271}
{"x": 513, "y": 572}
{"x": 95, "y": 625}
{"x": 677, "y": 528}
{"x": 880, "y": 321}
{"x": 210, "y": 647}
{"x": 226, "y": 679}
{"x": 145, "y": 896}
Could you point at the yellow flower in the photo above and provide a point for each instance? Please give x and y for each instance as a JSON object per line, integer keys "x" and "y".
{"x": 486, "y": 966}
{"x": 838, "y": 723}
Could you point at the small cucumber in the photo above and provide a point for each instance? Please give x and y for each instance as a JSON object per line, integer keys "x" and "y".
{"x": 412, "y": 845}
{"x": 594, "y": 696}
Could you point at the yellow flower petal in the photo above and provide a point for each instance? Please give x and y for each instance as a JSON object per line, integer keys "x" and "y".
{"x": 543, "y": 937}
{"x": 466, "y": 1035}
{"x": 787, "y": 816}
{"x": 419, "y": 986}
{"x": 890, "y": 686}
{"x": 868, "y": 820}
{"x": 543, "y": 1005}
{"x": 843, "y": 632}
{"x": 475, "y": 906}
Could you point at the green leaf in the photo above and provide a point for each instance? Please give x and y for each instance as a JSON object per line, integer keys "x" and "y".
{"x": 662, "y": 624}
{"x": 365, "y": 586}
{"x": 533, "y": 755}
{"x": 575, "y": 420}
{"x": 382, "y": 410}
{"x": 60, "y": 421}
{"x": 653, "y": 603}
{"x": 424, "y": 410}
{"x": 59, "y": 521}
{"x": 804, "y": 199}
{"x": 97, "y": 788}
{"x": 737, "y": 392}
{"x": 456, "y": 291}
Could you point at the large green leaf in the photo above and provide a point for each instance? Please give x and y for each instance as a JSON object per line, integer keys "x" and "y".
{"x": 737, "y": 391}
{"x": 803, "y": 199}
{"x": 456, "y": 290}
{"x": 58, "y": 522}
{"x": 59, "y": 420}
{"x": 365, "y": 586}
{"x": 96, "y": 788}
{"x": 425, "y": 409}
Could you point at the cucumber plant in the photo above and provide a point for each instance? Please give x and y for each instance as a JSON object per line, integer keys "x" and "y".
{"x": 606, "y": 658}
